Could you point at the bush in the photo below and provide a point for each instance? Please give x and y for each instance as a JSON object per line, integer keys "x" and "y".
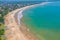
{"x": 1, "y": 31}
{"x": 1, "y": 38}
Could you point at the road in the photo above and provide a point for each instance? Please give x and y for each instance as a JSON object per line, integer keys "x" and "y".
{"x": 12, "y": 31}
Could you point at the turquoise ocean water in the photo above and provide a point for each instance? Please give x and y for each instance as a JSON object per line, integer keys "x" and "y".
{"x": 44, "y": 20}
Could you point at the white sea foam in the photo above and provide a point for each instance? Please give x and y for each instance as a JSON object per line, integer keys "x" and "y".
{"x": 20, "y": 15}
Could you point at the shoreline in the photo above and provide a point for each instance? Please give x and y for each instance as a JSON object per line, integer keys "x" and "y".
{"x": 12, "y": 22}
{"x": 22, "y": 26}
{"x": 20, "y": 15}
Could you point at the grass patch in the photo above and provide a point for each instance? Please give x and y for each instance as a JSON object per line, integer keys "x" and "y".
{"x": 2, "y": 31}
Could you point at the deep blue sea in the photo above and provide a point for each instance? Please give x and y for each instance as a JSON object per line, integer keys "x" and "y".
{"x": 44, "y": 20}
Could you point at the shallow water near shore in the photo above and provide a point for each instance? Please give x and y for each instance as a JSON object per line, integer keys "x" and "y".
{"x": 44, "y": 20}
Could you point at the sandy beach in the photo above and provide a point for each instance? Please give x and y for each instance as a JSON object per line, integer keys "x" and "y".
{"x": 15, "y": 29}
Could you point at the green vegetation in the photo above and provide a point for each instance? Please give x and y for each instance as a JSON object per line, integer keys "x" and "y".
{"x": 3, "y": 12}
{"x": 1, "y": 31}
{"x": 1, "y": 38}
{"x": 5, "y": 8}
